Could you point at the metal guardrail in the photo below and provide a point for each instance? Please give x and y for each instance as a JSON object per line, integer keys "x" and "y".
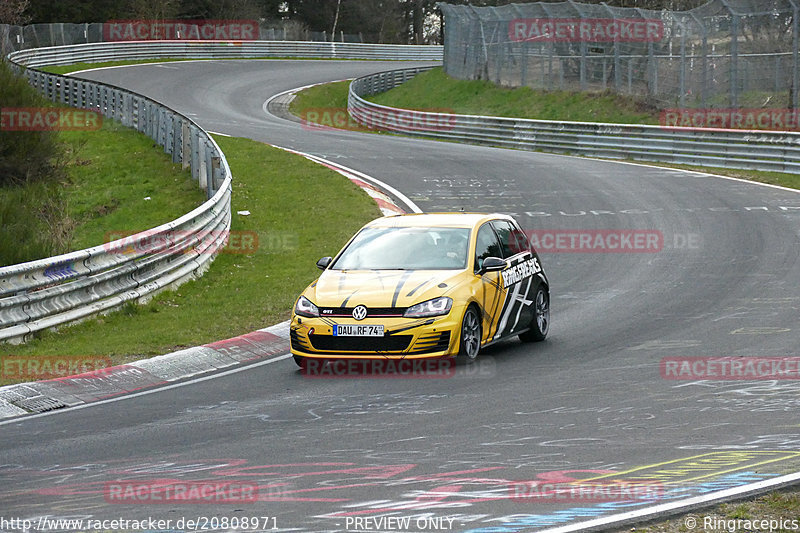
{"x": 41, "y": 294}
{"x": 116, "y": 51}
{"x": 58, "y": 290}
{"x": 754, "y": 150}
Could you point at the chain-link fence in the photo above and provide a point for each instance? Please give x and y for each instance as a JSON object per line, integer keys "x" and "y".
{"x": 13, "y": 38}
{"x": 723, "y": 54}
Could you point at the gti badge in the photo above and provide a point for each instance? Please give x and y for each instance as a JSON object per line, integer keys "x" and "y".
{"x": 360, "y": 312}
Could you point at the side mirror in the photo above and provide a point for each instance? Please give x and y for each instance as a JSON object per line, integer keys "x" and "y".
{"x": 493, "y": 264}
{"x": 323, "y": 263}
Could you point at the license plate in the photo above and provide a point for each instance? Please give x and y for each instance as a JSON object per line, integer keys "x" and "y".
{"x": 364, "y": 330}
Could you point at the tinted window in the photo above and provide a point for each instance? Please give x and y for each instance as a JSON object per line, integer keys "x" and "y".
{"x": 486, "y": 245}
{"x": 512, "y": 240}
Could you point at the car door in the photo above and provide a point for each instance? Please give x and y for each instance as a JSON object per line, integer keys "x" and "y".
{"x": 520, "y": 280}
{"x": 490, "y": 293}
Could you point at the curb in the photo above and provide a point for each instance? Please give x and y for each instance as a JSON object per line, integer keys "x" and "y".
{"x": 41, "y": 396}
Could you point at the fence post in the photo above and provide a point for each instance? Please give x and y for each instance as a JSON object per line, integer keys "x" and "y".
{"x": 795, "y": 45}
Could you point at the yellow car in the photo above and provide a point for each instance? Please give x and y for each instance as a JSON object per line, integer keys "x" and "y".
{"x": 421, "y": 286}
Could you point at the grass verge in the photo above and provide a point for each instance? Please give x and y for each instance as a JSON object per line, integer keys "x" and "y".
{"x": 290, "y": 200}
{"x": 437, "y": 91}
{"x": 116, "y": 181}
{"x": 777, "y": 506}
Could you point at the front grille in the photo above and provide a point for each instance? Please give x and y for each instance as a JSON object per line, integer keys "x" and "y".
{"x": 371, "y": 311}
{"x": 435, "y": 342}
{"x": 390, "y": 343}
{"x": 297, "y": 342}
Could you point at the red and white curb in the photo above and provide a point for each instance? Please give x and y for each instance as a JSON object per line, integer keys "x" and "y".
{"x": 372, "y": 186}
{"x": 41, "y": 396}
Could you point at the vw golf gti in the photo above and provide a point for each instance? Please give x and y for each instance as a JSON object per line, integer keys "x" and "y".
{"x": 423, "y": 285}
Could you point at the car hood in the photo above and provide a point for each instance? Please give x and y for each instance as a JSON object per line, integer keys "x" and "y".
{"x": 381, "y": 288}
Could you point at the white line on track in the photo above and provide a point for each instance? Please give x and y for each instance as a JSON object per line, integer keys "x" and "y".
{"x": 149, "y": 391}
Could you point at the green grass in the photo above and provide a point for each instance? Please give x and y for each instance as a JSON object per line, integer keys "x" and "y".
{"x": 773, "y": 506}
{"x": 120, "y": 181}
{"x": 435, "y": 90}
{"x": 325, "y": 104}
{"x": 110, "y": 173}
{"x": 300, "y": 211}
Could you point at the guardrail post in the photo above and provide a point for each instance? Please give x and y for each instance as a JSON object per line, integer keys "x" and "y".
{"x": 207, "y": 165}
{"x": 186, "y": 146}
{"x": 162, "y": 128}
{"x": 194, "y": 154}
{"x": 218, "y": 176}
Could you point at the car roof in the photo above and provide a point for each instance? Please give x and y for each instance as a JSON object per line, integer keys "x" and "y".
{"x": 422, "y": 220}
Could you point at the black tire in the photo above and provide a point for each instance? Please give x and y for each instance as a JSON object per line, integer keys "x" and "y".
{"x": 302, "y": 362}
{"x": 540, "y": 322}
{"x": 469, "y": 344}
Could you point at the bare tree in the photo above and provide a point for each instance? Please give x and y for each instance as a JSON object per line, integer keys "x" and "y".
{"x": 13, "y": 12}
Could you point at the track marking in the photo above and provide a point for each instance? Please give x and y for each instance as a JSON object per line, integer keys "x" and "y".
{"x": 153, "y": 391}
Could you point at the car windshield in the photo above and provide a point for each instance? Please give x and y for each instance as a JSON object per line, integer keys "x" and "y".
{"x": 406, "y": 249}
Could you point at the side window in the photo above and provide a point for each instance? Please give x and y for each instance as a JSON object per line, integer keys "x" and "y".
{"x": 512, "y": 240}
{"x": 486, "y": 245}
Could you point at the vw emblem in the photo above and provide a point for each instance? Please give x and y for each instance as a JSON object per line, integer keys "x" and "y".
{"x": 360, "y": 312}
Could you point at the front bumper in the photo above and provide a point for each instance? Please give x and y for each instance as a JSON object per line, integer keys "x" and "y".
{"x": 404, "y": 338}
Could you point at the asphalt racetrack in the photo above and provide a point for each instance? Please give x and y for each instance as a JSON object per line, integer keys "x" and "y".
{"x": 451, "y": 454}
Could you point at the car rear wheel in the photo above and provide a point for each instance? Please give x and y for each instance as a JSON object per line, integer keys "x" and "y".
{"x": 540, "y": 322}
{"x": 470, "y": 342}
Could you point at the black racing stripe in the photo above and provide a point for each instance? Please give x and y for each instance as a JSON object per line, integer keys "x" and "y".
{"x": 418, "y": 287}
{"x": 399, "y": 286}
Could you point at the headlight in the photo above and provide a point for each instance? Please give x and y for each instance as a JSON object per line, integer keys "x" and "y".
{"x": 305, "y": 308}
{"x": 435, "y": 307}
